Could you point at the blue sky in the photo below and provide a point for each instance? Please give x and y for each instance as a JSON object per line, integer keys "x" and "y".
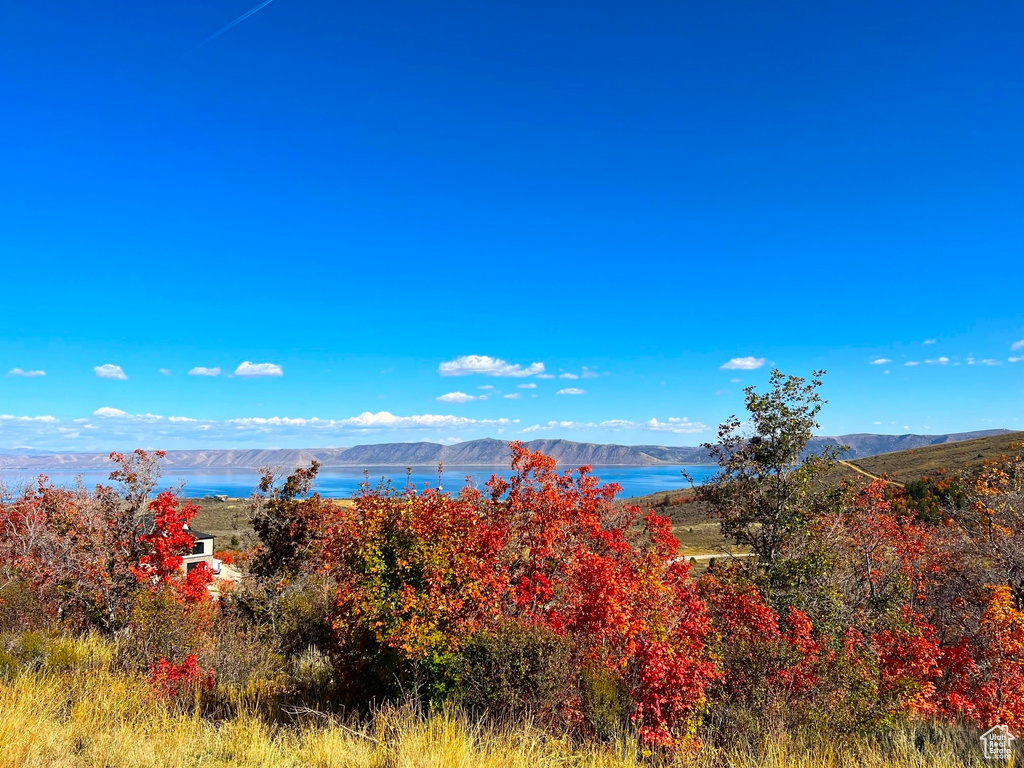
{"x": 349, "y": 201}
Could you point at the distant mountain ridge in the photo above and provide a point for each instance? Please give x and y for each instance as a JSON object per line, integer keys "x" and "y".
{"x": 486, "y": 452}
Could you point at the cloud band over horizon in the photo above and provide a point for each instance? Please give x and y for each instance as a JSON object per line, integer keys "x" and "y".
{"x": 109, "y": 428}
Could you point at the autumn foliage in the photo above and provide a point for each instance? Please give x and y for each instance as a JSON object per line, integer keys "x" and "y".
{"x": 541, "y": 593}
{"x": 420, "y": 573}
{"x": 87, "y": 554}
{"x": 177, "y": 680}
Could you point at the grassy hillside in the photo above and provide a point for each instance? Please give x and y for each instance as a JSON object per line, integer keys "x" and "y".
{"x": 223, "y": 519}
{"x": 227, "y": 519}
{"x": 903, "y": 466}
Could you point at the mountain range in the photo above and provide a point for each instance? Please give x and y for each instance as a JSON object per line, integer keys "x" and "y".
{"x": 487, "y": 452}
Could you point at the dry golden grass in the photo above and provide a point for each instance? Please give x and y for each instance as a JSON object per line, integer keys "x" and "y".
{"x": 73, "y": 711}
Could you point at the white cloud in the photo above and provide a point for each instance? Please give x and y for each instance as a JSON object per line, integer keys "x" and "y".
{"x": 165, "y": 371}
{"x": 912, "y": 362}
{"x": 467, "y": 365}
{"x": 385, "y": 419}
{"x": 1016, "y": 359}
{"x": 990, "y": 361}
{"x": 589, "y": 374}
{"x": 672, "y": 425}
{"x": 531, "y": 385}
{"x": 929, "y": 341}
{"x": 568, "y": 376}
{"x": 880, "y": 361}
{"x": 571, "y": 391}
{"x": 734, "y": 380}
{"x": 1017, "y": 345}
{"x": 200, "y": 371}
{"x": 513, "y": 396}
{"x": 676, "y": 426}
{"x": 116, "y": 429}
{"x": 458, "y": 397}
{"x": 256, "y": 370}
{"x": 938, "y": 361}
{"x": 275, "y": 421}
{"x": 743, "y": 364}
{"x": 488, "y": 386}
{"x": 117, "y": 413}
{"x": 25, "y": 374}
{"x": 109, "y": 371}
{"x": 110, "y": 413}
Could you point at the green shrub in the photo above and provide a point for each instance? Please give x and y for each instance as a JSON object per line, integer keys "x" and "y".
{"x": 65, "y": 653}
{"x": 30, "y": 649}
{"x": 518, "y": 672}
{"x": 606, "y": 703}
{"x": 20, "y": 608}
{"x": 159, "y": 628}
{"x": 36, "y": 650}
{"x": 246, "y": 659}
{"x": 302, "y": 617}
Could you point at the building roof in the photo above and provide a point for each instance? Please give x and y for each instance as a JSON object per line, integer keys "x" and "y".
{"x": 148, "y": 524}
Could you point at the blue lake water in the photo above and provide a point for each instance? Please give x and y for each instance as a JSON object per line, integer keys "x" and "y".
{"x": 342, "y": 482}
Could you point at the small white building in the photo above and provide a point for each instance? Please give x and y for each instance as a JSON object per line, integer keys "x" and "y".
{"x": 202, "y": 552}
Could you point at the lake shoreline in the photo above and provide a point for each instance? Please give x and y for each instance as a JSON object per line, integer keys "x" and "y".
{"x": 343, "y": 482}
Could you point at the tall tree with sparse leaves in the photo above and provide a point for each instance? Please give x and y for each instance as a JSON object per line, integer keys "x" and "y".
{"x": 769, "y": 486}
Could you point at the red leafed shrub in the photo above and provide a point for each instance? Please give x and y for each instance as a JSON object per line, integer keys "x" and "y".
{"x": 168, "y": 540}
{"x": 192, "y": 590}
{"x": 896, "y": 557}
{"x": 175, "y": 681}
{"x": 85, "y": 554}
{"x": 606, "y": 576}
{"x": 226, "y": 556}
{"x": 908, "y": 659}
{"x": 164, "y": 547}
{"x": 419, "y": 574}
{"x": 998, "y": 690}
{"x": 765, "y": 657}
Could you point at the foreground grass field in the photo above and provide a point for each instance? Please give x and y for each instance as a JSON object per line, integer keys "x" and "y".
{"x": 89, "y": 716}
